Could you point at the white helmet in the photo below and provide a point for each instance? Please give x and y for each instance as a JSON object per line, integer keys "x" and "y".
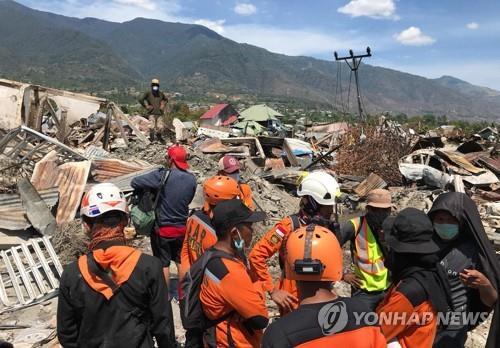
{"x": 321, "y": 186}
{"x": 102, "y": 198}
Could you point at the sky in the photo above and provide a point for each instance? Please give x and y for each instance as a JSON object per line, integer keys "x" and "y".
{"x": 430, "y": 38}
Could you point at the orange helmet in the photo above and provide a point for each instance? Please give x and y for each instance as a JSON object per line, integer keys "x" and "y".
{"x": 313, "y": 253}
{"x": 220, "y": 188}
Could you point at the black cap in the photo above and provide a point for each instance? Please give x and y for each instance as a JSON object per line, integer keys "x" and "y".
{"x": 411, "y": 231}
{"x": 230, "y": 213}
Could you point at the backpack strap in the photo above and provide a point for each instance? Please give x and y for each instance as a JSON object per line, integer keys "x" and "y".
{"x": 295, "y": 221}
{"x": 162, "y": 184}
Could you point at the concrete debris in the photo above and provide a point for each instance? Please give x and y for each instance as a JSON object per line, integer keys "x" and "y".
{"x": 45, "y": 170}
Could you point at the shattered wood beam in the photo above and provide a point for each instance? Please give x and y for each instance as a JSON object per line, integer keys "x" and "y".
{"x": 107, "y": 130}
{"x": 37, "y": 211}
{"x": 120, "y": 115}
{"x": 122, "y": 131}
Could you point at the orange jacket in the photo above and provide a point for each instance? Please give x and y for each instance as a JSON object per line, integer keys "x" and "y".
{"x": 271, "y": 243}
{"x": 226, "y": 288}
{"x": 415, "y": 326}
{"x": 246, "y": 195}
{"x": 200, "y": 235}
{"x": 304, "y": 327}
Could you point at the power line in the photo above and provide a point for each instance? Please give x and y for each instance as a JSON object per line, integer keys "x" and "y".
{"x": 353, "y": 62}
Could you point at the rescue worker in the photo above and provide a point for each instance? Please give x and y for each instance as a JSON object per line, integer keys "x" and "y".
{"x": 318, "y": 191}
{"x": 114, "y": 296}
{"x": 418, "y": 292}
{"x": 323, "y": 319}
{"x": 173, "y": 208}
{"x": 200, "y": 235}
{"x": 471, "y": 268}
{"x": 227, "y": 291}
{"x": 368, "y": 276}
{"x": 230, "y": 166}
{"x": 155, "y": 102}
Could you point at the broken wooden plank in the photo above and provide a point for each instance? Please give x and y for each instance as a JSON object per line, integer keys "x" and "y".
{"x": 372, "y": 182}
{"x": 121, "y": 116}
{"x": 37, "y": 211}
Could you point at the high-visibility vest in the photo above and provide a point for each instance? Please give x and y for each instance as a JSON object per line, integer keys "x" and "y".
{"x": 368, "y": 258}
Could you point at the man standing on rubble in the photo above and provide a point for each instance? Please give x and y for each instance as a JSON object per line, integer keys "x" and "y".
{"x": 155, "y": 102}
{"x": 230, "y": 166}
{"x": 368, "y": 275}
{"x": 114, "y": 296}
{"x": 173, "y": 208}
{"x": 318, "y": 191}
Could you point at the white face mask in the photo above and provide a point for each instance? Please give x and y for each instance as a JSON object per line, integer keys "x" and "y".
{"x": 156, "y": 88}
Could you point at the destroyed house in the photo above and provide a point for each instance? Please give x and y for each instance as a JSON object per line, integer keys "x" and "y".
{"x": 219, "y": 115}
{"x": 264, "y": 115}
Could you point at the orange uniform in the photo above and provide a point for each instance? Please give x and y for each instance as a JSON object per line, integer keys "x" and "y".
{"x": 227, "y": 287}
{"x": 407, "y": 315}
{"x": 246, "y": 195}
{"x": 270, "y": 244}
{"x": 325, "y": 324}
{"x": 200, "y": 235}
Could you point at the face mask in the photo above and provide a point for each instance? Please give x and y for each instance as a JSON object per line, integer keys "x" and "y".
{"x": 446, "y": 231}
{"x": 156, "y": 88}
{"x": 239, "y": 244}
{"x": 376, "y": 218}
{"x": 235, "y": 176}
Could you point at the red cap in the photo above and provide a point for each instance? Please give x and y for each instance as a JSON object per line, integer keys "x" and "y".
{"x": 178, "y": 155}
{"x": 229, "y": 164}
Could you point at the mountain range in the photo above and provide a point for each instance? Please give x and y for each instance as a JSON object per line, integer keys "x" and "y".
{"x": 94, "y": 55}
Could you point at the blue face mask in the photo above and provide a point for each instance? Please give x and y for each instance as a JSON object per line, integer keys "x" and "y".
{"x": 446, "y": 231}
{"x": 240, "y": 243}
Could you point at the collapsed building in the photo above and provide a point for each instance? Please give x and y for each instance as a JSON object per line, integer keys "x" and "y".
{"x": 55, "y": 144}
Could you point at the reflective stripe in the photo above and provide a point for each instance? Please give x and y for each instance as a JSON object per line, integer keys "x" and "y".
{"x": 205, "y": 226}
{"x": 368, "y": 258}
{"x": 211, "y": 276}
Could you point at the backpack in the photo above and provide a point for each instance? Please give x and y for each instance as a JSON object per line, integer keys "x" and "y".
{"x": 143, "y": 211}
{"x": 195, "y": 318}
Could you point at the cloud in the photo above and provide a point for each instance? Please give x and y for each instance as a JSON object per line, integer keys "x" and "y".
{"x": 145, "y": 4}
{"x": 472, "y": 26}
{"x": 413, "y": 36}
{"x": 370, "y": 8}
{"x": 217, "y": 26}
{"x": 113, "y": 10}
{"x": 245, "y": 9}
{"x": 293, "y": 42}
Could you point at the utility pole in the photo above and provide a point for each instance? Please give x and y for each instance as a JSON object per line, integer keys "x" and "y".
{"x": 354, "y": 65}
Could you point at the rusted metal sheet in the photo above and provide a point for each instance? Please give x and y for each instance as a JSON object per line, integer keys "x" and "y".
{"x": 372, "y": 182}
{"x": 490, "y": 163}
{"x": 105, "y": 169}
{"x": 71, "y": 180}
{"x": 459, "y": 161}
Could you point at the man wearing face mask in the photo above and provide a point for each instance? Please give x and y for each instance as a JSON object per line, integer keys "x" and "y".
{"x": 368, "y": 276}
{"x": 470, "y": 267}
{"x": 230, "y": 166}
{"x": 227, "y": 290}
{"x": 155, "y": 102}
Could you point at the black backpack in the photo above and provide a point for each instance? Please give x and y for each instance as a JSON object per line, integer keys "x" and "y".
{"x": 195, "y": 318}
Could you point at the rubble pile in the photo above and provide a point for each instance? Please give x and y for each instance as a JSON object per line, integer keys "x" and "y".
{"x": 45, "y": 168}
{"x": 372, "y": 150}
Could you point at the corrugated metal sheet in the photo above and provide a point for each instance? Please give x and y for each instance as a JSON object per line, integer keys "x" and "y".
{"x": 105, "y": 169}
{"x": 71, "y": 180}
{"x": 459, "y": 161}
{"x": 372, "y": 182}
{"x": 12, "y": 213}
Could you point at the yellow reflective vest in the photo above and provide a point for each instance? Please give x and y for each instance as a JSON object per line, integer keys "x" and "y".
{"x": 368, "y": 258}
